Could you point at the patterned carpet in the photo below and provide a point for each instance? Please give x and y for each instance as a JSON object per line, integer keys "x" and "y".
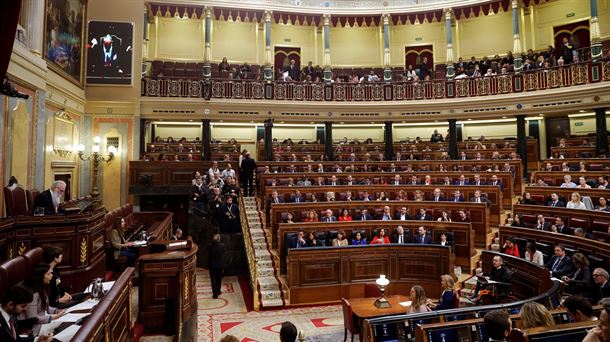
{"x": 229, "y": 315}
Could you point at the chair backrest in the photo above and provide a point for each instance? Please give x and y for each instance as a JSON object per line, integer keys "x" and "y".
{"x": 16, "y": 201}
{"x": 33, "y": 257}
{"x": 12, "y": 272}
{"x": 371, "y": 290}
{"x": 456, "y": 299}
{"x": 348, "y": 320}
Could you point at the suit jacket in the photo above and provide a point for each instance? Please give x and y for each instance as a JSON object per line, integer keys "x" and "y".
{"x": 498, "y": 183}
{"x": 5, "y": 331}
{"x": 426, "y": 217}
{"x": 604, "y": 291}
{"x": 564, "y": 267}
{"x": 45, "y": 200}
{"x": 558, "y": 204}
{"x": 483, "y": 199}
{"x": 293, "y": 72}
{"x": 293, "y": 199}
{"x": 406, "y": 238}
{"x": 502, "y": 274}
{"x": 328, "y": 219}
{"x": 216, "y": 251}
{"x": 545, "y": 226}
{"x": 465, "y": 182}
{"x": 426, "y": 239}
{"x": 565, "y": 230}
{"x": 398, "y": 217}
{"x": 367, "y": 217}
{"x": 280, "y": 199}
{"x": 480, "y": 183}
{"x": 440, "y": 199}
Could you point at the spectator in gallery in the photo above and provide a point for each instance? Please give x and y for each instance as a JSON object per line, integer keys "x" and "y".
{"x": 224, "y": 65}
{"x": 436, "y": 137}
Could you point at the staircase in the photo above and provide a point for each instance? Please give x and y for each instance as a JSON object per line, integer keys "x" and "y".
{"x": 266, "y": 262}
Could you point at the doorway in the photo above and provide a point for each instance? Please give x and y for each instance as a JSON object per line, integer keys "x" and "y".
{"x": 414, "y": 55}
{"x": 67, "y": 178}
{"x": 282, "y": 57}
{"x": 556, "y": 128}
{"x": 577, "y": 33}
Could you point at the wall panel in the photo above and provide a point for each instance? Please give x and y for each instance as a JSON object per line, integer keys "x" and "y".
{"x": 356, "y": 46}
{"x": 235, "y": 40}
{"x": 485, "y": 35}
{"x": 179, "y": 39}
{"x": 414, "y": 35}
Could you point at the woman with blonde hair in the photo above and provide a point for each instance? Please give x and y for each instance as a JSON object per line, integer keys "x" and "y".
{"x": 447, "y": 297}
{"x": 418, "y": 300}
{"x": 575, "y": 203}
{"x": 534, "y": 315}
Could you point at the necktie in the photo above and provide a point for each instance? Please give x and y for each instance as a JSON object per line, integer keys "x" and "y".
{"x": 277, "y": 200}
{"x": 422, "y": 239}
{"x": 12, "y": 326}
{"x": 554, "y": 203}
{"x": 298, "y": 200}
{"x": 478, "y": 199}
{"x": 436, "y": 199}
{"x": 554, "y": 268}
{"x": 400, "y": 239}
{"x": 363, "y": 217}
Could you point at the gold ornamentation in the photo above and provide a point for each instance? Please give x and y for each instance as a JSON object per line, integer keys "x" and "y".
{"x": 418, "y": 91}
{"x": 554, "y": 78}
{"x": 83, "y": 251}
{"x": 358, "y": 93}
{"x": 21, "y": 249}
{"x": 218, "y": 89}
{"x": 504, "y": 84}
{"x": 438, "y": 89}
{"x": 318, "y": 92}
{"x": 399, "y": 92}
{"x": 11, "y": 252}
{"x": 174, "y": 88}
{"x": 531, "y": 81}
{"x": 238, "y": 90}
{"x": 606, "y": 71}
{"x": 152, "y": 87}
{"x": 339, "y": 92}
{"x": 483, "y": 86}
{"x": 258, "y": 90}
{"x": 298, "y": 92}
{"x": 280, "y": 91}
{"x": 461, "y": 88}
{"x": 187, "y": 288}
{"x": 580, "y": 74}
{"x": 195, "y": 89}
{"x": 377, "y": 92}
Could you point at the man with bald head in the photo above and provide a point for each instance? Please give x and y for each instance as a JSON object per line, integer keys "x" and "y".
{"x": 50, "y": 199}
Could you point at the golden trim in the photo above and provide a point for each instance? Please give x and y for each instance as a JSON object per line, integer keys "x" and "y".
{"x": 570, "y": 32}
{"x": 83, "y": 251}
{"x": 21, "y": 249}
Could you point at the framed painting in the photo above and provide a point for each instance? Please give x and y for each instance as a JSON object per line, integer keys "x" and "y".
{"x": 109, "y": 53}
{"x": 64, "y": 32}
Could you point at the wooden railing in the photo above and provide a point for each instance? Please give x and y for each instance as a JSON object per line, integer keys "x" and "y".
{"x": 252, "y": 260}
{"x": 540, "y": 79}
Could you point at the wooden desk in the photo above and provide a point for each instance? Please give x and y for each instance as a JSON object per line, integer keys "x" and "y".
{"x": 365, "y": 308}
{"x": 110, "y": 320}
{"x": 167, "y": 291}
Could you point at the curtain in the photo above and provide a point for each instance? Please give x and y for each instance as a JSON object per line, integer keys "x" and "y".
{"x": 9, "y": 17}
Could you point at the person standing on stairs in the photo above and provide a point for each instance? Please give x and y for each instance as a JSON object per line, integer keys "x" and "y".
{"x": 216, "y": 251}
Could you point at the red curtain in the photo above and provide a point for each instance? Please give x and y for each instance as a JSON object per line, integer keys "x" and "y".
{"x": 9, "y": 17}
{"x": 412, "y": 52}
{"x": 577, "y": 33}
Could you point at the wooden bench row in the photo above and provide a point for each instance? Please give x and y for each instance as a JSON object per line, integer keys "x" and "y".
{"x": 589, "y": 220}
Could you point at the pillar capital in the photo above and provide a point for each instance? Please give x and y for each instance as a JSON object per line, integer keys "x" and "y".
{"x": 326, "y": 19}
{"x": 385, "y": 17}
{"x": 448, "y": 12}
{"x": 268, "y": 15}
{"x": 515, "y": 4}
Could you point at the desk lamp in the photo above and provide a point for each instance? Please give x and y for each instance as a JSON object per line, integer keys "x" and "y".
{"x": 382, "y": 282}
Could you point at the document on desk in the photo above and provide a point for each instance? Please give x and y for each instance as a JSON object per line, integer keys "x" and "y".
{"x": 67, "y": 334}
{"x": 105, "y": 286}
{"x": 48, "y": 328}
{"x": 407, "y": 303}
{"x": 86, "y": 305}
{"x": 72, "y": 317}
{"x": 139, "y": 243}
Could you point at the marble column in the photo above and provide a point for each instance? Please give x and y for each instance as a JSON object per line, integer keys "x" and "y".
{"x": 601, "y": 127}
{"x": 387, "y": 70}
{"x": 522, "y": 143}
{"x": 328, "y": 74}
{"x": 389, "y": 140}
{"x": 268, "y": 138}
{"x": 206, "y": 141}
{"x": 449, "y": 34}
{"x": 207, "y": 52}
{"x": 268, "y": 71}
{"x": 518, "y": 61}
{"x": 35, "y": 24}
{"x": 328, "y": 140}
{"x": 453, "y": 147}
{"x": 596, "y": 44}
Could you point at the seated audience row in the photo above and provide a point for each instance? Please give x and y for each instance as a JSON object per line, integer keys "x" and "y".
{"x": 384, "y": 215}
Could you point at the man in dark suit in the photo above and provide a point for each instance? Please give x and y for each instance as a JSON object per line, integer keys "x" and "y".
{"x": 555, "y": 202}
{"x": 216, "y": 251}
{"x": 14, "y": 302}
{"x": 499, "y": 273}
{"x": 601, "y": 277}
{"x": 275, "y": 198}
{"x": 496, "y": 182}
{"x": 50, "y": 198}
{"x": 297, "y": 197}
{"x": 403, "y": 215}
{"x": 463, "y": 156}
{"x": 229, "y": 215}
{"x": 423, "y": 215}
{"x": 413, "y": 181}
{"x": 299, "y": 242}
{"x": 457, "y": 197}
{"x": 477, "y": 180}
{"x": 363, "y": 216}
{"x": 561, "y": 264}
{"x": 462, "y": 181}
{"x": 437, "y": 196}
{"x": 436, "y": 137}
{"x": 246, "y": 172}
{"x": 329, "y": 217}
{"x": 478, "y": 198}
{"x": 293, "y": 70}
{"x": 541, "y": 224}
{"x": 400, "y": 236}
{"x": 422, "y": 237}
{"x": 561, "y": 227}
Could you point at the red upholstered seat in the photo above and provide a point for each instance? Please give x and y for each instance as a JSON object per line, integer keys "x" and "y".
{"x": 13, "y": 272}
{"x": 33, "y": 257}
{"x": 348, "y": 320}
{"x": 16, "y": 201}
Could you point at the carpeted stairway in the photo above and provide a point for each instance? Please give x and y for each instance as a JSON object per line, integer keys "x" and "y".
{"x": 268, "y": 283}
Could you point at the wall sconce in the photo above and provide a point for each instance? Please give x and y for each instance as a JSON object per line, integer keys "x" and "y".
{"x": 96, "y": 157}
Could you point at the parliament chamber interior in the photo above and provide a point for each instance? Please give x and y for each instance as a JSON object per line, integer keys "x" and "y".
{"x": 304, "y": 170}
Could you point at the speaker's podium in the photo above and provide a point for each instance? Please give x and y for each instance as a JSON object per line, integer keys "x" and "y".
{"x": 167, "y": 291}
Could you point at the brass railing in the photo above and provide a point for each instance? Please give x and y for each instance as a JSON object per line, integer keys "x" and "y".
{"x": 252, "y": 260}
{"x": 539, "y": 79}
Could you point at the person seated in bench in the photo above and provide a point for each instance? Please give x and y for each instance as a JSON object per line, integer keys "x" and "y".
{"x": 423, "y": 215}
{"x": 14, "y": 303}
{"x": 561, "y": 227}
{"x": 602, "y": 204}
{"x": 447, "y": 300}
{"x": 561, "y": 264}
{"x": 535, "y": 315}
{"x": 575, "y": 202}
{"x": 120, "y": 246}
{"x": 510, "y": 248}
{"x": 601, "y": 333}
{"x": 58, "y": 295}
{"x": 39, "y": 307}
{"x": 601, "y": 277}
{"x": 328, "y": 217}
{"x": 555, "y": 202}
{"x": 312, "y": 216}
{"x": 359, "y": 239}
{"x": 400, "y": 236}
{"x": 579, "y": 309}
{"x": 341, "y": 239}
{"x": 419, "y": 300}
{"x": 380, "y": 238}
{"x": 422, "y": 236}
{"x": 497, "y": 325}
{"x": 50, "y": 199}
{"x": 499, "y": 273}
{"x": 312, "y": 241}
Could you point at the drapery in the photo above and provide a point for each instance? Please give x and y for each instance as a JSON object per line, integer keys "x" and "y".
{"x": 9, "y": 17}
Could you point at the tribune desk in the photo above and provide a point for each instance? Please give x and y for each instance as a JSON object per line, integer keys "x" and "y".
{"x": 167, "y": 291}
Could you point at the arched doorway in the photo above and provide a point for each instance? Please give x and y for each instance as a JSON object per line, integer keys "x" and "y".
{"x": 282, "y": 56}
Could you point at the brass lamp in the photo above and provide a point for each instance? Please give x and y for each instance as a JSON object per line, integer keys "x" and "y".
{"x": 382, "y": 282}
{"x": 96, "y": 157}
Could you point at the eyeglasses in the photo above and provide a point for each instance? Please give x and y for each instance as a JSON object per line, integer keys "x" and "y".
{"x": 597, "y": 275}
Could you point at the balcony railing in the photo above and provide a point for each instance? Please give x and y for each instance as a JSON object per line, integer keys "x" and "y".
{"x": 541, "y": 79}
